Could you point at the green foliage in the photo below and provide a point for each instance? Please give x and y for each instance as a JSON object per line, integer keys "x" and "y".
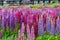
{"x": 16, "y": 29}
{"x": 48, "y": 37}
{"x": 8, "y": 34}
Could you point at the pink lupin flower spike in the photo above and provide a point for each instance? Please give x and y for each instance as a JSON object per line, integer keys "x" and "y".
{"x": 22, "y": 28}
{"x": 28, "y": 32}
{"x": 21, "y": 32}
{"x": 32, "y": 33}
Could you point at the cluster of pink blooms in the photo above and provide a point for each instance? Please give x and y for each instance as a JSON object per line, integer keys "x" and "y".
{"x": 33, "y": 22}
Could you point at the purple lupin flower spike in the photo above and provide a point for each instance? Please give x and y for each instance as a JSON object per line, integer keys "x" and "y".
{"x": 15, "y": 18}
{"x": 57, "y": 25}
{"x": 3, "y": 19}
{"x": 32, "y": 33}
{"x": 6, "y": 17}
{"x": 28, "y": 32}
{"x": 40, "y": 26}
{"x": 21, "y": 33}
{"x": 22, "y": 29}
{"x": 10, "y": 18}
{"x": 52, "y": 27}
{"x": 48, "y": 26}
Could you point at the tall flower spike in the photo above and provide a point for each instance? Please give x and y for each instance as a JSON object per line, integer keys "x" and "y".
{"x": 3, "y": 20}
{"x": 21, "y": 32}
{"x": 22, "y": 29}
{"x": 48, "y": 26}
{"x": 13, "y": 21}
{"x": 10, "y": 19}
{"x": 58, "y": 25}
{"x": 6, "y": 18}
{"x": 52, "y": 27}
{"x": 15, "y": 18}
{"x": 28, "y": 32}
{"x": 40, "y": 26}
{"x": 32, "y": 33}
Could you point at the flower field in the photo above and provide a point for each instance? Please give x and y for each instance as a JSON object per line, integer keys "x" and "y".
{"x": 30, "y": 23}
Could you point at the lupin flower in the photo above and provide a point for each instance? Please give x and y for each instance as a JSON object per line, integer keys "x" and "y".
{"x": 48, "y": 26}
{"x": 15, "y": 19}
{"x": 19, "y": 17}
{"x": 40, "y": 26}
{"x": 32, "y": 33}
{"x": 3, "y": 19}
{"x": 30, "y": 17}
{"x": 35, "y": 24}
{"x": 11, "y": 19}
{"x": 21, "y": 33}
{"x": 30, "y": 20}
{"x": 52, "y": 26}
{"x": 22, "y": 28}
{"x": 58, "y": 25}
{"x": 20, "y": 36}
{"x": 6, "y": 17}
{"x": 28, "y": 32}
